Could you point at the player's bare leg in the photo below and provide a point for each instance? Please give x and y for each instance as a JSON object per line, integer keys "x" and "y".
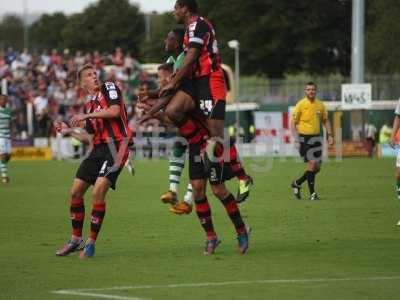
{"x": 176, "y": 111}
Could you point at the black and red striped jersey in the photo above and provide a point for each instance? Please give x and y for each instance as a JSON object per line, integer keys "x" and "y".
{"x": 200, "y": 34}
{"x": 108, "y": 130}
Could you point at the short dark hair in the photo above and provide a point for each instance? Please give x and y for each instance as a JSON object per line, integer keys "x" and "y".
{"x": 180, "y": 34}
{"x": 145, "y": 82}
{"x": 190, "y": 4}
{"x": 166, "y": 67}
{"x": 311, "y": 83}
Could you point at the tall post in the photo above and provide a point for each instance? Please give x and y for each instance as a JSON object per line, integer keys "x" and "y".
{"x": 237, "y": 79}
{"x": 25, "y": 23}
{"x": 147, "y": 22}
{"x": 234, "y": 44}
{"x": 357, "y": 51}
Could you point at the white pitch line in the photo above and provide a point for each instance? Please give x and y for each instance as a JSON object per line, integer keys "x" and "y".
{"x": 85, "y": 294}
{"x": 224, "y": 283}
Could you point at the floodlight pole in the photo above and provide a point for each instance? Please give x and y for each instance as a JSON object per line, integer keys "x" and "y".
{"x": 357, "y": 51}
{"x": 25, "y": 23}
{"x": 234, "y": 44}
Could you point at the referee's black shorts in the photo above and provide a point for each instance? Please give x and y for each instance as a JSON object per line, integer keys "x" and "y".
{"x": 103, "y": 161}
{"x": 310, "y": 147}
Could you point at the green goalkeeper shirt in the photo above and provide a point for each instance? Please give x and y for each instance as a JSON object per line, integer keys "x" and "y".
{"x": 177, "y": 62}
{"x": 5, "y": 122}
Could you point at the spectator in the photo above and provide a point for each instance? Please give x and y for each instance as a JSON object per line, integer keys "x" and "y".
{"x": 10, "y": 56}
{"x": 385, "y": 133}
{"x": 41, "y": 104}
{"x": 370, "y": 137}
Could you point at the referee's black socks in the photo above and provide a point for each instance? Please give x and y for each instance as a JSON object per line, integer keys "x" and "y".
{"x": 311, "y": 181}
{"x": 303, "y": 178}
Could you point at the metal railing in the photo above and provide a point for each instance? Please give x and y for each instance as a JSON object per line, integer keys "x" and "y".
{"x": 264, "y": 90}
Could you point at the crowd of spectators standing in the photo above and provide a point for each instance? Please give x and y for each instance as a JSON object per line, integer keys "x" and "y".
{"x": 47, "y": 80}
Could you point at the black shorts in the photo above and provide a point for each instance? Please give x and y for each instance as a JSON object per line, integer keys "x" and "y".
{"x": 187, "y": 87}
{"x": 211, "y": 95}
{"x": 218, "y": 173}
{"x": 102, "y": 163}
{"x": 310, "y": 147}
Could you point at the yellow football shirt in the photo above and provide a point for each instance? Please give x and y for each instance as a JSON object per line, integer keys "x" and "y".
{"x": 308, "y": 115}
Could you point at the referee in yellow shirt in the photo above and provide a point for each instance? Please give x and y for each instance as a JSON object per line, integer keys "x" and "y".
{"x": 307, "y": 117}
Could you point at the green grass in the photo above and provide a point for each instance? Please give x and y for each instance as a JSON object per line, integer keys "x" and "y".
{"x": 349, "y": 234}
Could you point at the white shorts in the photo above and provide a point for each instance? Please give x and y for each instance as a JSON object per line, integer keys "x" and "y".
{"x": 5, "y": 146}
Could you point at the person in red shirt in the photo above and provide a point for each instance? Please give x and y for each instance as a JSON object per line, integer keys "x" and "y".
{"x": 200, "y": 78}
{"x": 107, "y": 131}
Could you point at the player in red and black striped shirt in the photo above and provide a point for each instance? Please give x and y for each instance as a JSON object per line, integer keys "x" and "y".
{"x": 200, "y": 78}
{"x": 106, "y": 124}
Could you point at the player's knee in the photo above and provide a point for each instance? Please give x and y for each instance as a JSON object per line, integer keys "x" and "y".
{"x": 76, "y": 193}
{"x": 172, "y": 113}
{"x": 98, "y": 195}
{"x": 198, "y": 188}
{"x": 220, "y": 191}
{"x": 313, "y": 166}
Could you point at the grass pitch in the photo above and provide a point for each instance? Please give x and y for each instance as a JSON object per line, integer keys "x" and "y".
{"x": 345, "y": 246}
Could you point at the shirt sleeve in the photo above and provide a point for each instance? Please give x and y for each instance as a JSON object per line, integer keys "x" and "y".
{"x": 324, "y": 115}
{"x": 198, "y": 33}
{"x": 111, "y": 93}
{"x": 296, "y": 113}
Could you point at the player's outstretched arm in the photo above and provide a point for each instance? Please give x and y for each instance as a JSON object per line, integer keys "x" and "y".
{"x": 112, "y": 112}
{"x": 191, "y": 57}
{"x": 153, "y": 111}
{"x": 76, "y": 132}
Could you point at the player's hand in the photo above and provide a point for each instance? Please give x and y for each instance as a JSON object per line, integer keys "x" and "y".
{"x": 169, "y": 88}
{"x": 142, "y": 105}
{"x": 330, "y": 140}
{"x": 76, "y": 120}
{"x": 392, "y": 142}
{"x": 144, "y": 118}
{"x": 60, "y": 126}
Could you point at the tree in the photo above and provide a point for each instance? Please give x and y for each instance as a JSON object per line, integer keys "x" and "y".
{"x": 160, "y": 25}
{"x": 104, "y": 26}
{"x": 278, "y": 37}
{"x": 12, "y": 32}
{"x": 383, "y": 37}
{"x": 46, "y": 32}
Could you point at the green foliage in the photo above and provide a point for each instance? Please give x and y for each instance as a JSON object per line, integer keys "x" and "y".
{"x": 278, "y": 37}
{"x": 383, "y": 37}
{"x": 46, "y": 32}
{"x": 12, "y": 32}
{"x": 105, "y": 25}
{"x": 152, "y": 50}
